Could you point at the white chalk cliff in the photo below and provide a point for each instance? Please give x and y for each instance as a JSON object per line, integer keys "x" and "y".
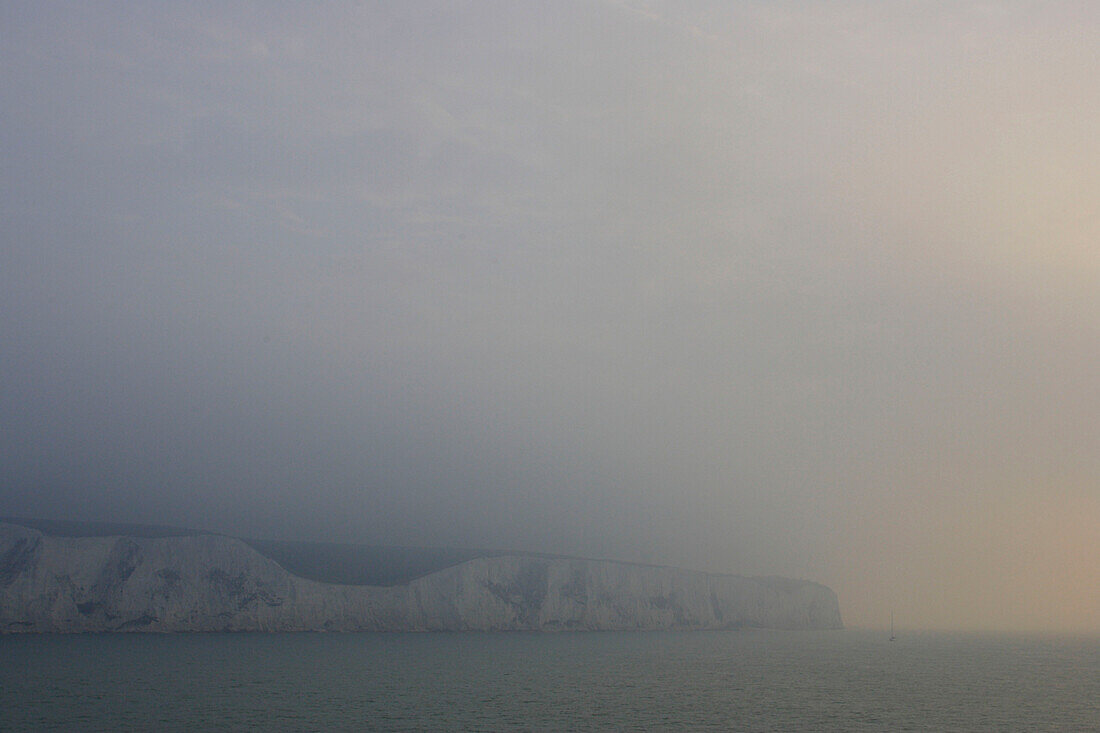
{"x": 217, "y": 583}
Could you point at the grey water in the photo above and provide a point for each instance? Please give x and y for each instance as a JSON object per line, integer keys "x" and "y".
{"x": 750, "y": 680}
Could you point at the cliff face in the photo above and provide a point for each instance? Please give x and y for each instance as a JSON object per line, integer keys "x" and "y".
{"x": 215, "y": 583}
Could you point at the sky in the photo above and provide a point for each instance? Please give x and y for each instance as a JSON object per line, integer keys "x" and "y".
{"x": 770, "y": 288}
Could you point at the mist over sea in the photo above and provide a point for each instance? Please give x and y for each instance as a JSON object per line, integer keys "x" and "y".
{"x": 752, "y": 680}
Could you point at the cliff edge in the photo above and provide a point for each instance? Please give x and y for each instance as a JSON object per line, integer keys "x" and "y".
{"x": 217, "y": 583}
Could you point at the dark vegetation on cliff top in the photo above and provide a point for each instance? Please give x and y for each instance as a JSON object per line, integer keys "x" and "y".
{"x": 325, "y": 562}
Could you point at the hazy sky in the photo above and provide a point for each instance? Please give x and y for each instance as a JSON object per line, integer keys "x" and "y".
{"x": 809, "y": 289}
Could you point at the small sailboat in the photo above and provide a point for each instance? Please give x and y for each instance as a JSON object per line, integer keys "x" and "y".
{"x": 892, "y": 637}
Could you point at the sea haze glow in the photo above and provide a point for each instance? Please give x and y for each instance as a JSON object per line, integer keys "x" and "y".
{"x": 806, "y": 289}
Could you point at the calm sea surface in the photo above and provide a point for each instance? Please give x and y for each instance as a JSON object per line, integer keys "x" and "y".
{"x": 736, "y": 680}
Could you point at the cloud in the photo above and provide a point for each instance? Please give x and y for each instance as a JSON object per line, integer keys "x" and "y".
{"x": 759, "y": 288}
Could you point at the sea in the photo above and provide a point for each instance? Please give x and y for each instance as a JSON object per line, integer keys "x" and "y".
{"x": 745, "y": 680}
